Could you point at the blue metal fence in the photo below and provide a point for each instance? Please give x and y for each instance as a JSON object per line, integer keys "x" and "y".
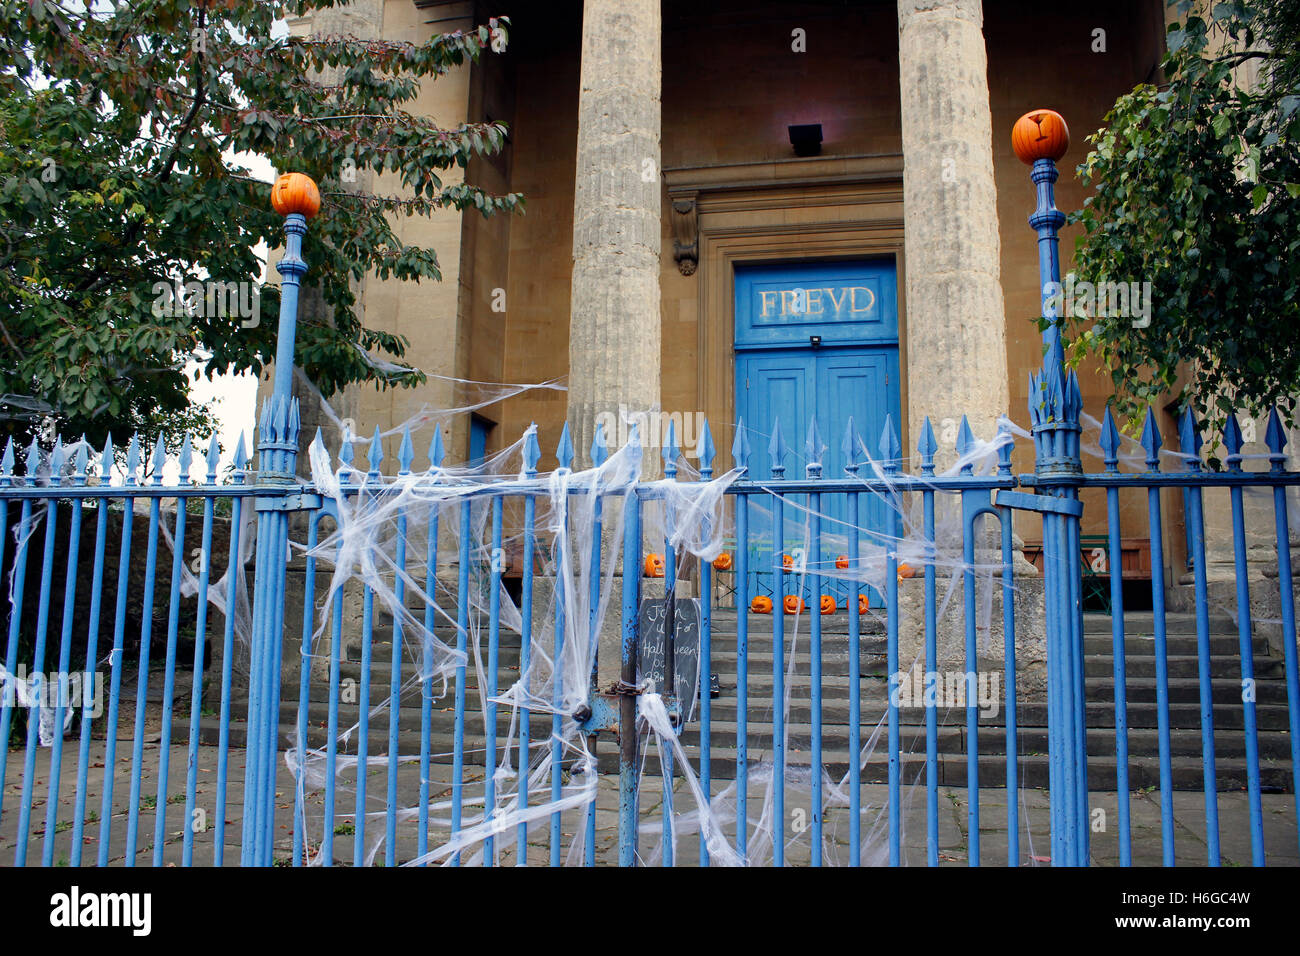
{"x": 496, "y": 739}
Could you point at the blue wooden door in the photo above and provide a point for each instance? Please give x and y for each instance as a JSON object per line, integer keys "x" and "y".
{"x": 814, "y": 339}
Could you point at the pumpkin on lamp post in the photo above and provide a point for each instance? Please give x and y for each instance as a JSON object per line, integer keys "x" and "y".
{"x": 1040, "y": 134}
{"x": 295, "y": 193}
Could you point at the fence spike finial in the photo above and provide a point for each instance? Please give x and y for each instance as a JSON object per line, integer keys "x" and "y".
{"x": 7, "y": 460}
{"x": 890, "y": 446}
{"x": 1109, "y": 441}
{"x": 633, "y": 445}
{"x": 266, "y": 425}
{"x": 82, "y": 461}
{"x": 1275, "y": 438}
{"x": 186, "y": 460}
{"x": 106, "y": 459}
{"x": 599, "y": 449}
{"x": 564, "y": 451}
{"x": 1073, "y": 398}
{"x": 813, "y": 448}
{"x": 405, "y": 452}
{"x": 1189, "y": 439}
{"x": 375, "y": 454}
{"x": 927, "y": 447}
{"x": 1006, "y": 443}
{"x": 849, "y": 447}
{"x": 133, "y": 459}
{"x": 58, "y": 458}
{"x": 159, "y": 460}
{"x": 1151, "y": 440}
{"x": 1232, "y": 440}
{"x": 532, "y": 451}
{"x": 965, "y": 444}
{"x": 437, "y": 453}
{"x": 777, "y": 450}
{"x": 240, "y": 460}
{"x": 347, "y": 454}
{"x": 740, "y": 447}
{"x": 706, "y": 451}
{"x": 33, "y": 460}
{"x": 965, "y": 437}
{"x": 671, "y": 450}
{"x": 214, "y": 457}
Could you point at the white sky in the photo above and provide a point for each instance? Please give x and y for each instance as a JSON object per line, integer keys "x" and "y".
{"x": 235, "y": 396}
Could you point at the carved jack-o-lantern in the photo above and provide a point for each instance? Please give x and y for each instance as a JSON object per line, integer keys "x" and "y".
{"x": 295, "y": 192}
{"x": 787, "y": 562}
{"x": 794, "y": 604}
{"x": 842, "y": 561}
{"x": 654, "y": 565}
{"x": 1040, "y": 134}
{"x": 723, "y": 561}
{"x": 828, "y": 604}
{"x": 906, "y": 571}
{"x": 761, "y": 604}
{"x": 863, "y": 604}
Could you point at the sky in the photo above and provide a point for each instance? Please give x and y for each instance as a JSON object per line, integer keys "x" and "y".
{"x": 234, "y": 396}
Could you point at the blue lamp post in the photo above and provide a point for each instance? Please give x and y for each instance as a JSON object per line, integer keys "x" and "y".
{"x": 1040, "y": 138}
{"x": 296, "y": 197}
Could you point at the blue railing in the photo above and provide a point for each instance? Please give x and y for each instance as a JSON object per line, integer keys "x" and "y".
{"x": 506, "y": 619}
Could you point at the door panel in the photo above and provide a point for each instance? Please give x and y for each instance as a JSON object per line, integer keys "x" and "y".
{"x": 791, "y": 381}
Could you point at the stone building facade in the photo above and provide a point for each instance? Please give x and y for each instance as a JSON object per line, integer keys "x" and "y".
{"x": 675, "y": 197}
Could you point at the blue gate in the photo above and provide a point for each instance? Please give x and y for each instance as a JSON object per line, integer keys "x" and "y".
{"x": 429, "y": 670}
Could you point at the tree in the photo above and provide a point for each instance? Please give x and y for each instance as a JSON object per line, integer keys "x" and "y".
{"x": 1198, "y": 192}
{"x": 118, "y": 186}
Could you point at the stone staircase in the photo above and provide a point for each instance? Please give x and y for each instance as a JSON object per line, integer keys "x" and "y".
{"x": 1184, "y": 710}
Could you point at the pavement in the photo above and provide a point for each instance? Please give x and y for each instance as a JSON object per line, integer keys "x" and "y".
{"x": 956, "y": 836}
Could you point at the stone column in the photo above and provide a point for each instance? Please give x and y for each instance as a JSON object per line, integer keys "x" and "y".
{"x": 614, "y": 324}
{"x": 956, "y": 324}
{"x": 956, "y": 321}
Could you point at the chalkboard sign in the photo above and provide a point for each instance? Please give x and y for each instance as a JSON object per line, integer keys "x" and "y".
{"x": 686, "y": 648}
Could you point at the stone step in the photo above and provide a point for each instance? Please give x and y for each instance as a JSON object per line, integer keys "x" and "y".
{"x": 1139, "y": 660}
{"x": 1135, "y": 622}
{"x": 1144, "y": 772}
{"x": 1098, "y": 713}
{"x": 1185, "y": 727}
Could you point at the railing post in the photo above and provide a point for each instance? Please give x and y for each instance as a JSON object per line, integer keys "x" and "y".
{"x": 1040, "y": 138}
{"x": 296, "y": 198}
{"x": 627, "y": 705}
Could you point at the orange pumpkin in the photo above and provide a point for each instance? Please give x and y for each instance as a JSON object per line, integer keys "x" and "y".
{"x": 787, "y": 562}
{"x": 864, "y": 604}
{"x": 654, "y": 565}
{"x": 1040, "y": 134}
{"x": 761, "y": 604}
{"x": 906, "y": 571}
{"x": 842, "y": 561}
{"x": 723, "y": 561}
{"x": 295, "y": 192}
{"x": 828, "y": 604}
{"x": 794, "y": 604}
